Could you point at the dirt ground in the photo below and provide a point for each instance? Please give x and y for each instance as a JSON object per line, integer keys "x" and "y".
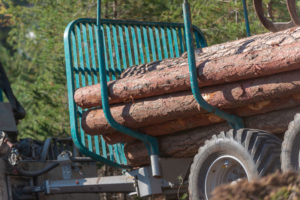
{"x": 273, "y": 187}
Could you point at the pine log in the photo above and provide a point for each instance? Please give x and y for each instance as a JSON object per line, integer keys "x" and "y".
{"x": 243, "y": 59}
{"x": 156, "y": 110}
{"x": 117, "y": 137}
{"x": 206, "y": 119}
{"x": 186, "y": 144}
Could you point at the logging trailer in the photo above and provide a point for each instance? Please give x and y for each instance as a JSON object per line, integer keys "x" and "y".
{"x": 98, "y": 50}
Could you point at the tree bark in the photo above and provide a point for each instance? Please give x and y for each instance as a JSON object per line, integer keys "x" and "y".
{"x": 244, "y": 59}
{"x": 156, "y": 110}
{"x": 207, "y": 119}
{"x": 186, "y": 144}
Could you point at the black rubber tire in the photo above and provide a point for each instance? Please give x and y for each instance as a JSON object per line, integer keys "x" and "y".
{"x": 257, "y": 150}
{"x": 291, "y": 146}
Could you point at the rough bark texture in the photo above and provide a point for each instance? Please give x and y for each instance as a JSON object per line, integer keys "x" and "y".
{"x": 117, "y": 137}
{"x": 156, "y": 110}
{"x": 206, "y": 119}
{"x": 172, "y": 75}
{"x": 254, "y": 43}
{"x": 187, "y": 143}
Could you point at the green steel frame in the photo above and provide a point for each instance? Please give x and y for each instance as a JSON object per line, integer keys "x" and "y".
{"x": 246, "y": 18}
{"x": 99, "y": 52}
{"x": 234, "y": 121}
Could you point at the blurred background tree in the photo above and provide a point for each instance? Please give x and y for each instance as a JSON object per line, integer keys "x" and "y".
{"x": 31, "y": 45}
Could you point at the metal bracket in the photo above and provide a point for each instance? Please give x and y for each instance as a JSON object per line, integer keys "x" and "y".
{"x": 140, "y": 181}
{"x": 65, "y": 162}
{"x": 90, "y": 185}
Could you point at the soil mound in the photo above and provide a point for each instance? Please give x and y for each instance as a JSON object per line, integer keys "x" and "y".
{"x": 273, "y": 187}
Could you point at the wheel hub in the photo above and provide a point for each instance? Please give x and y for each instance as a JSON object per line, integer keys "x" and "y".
{"x": 225, "y": 169}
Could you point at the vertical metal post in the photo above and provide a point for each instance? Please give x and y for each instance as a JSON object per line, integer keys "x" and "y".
{"x": 235, "y": 121}
{"x": 98, "y": 14}
{"x": 150, "y": 142}
{"x": 246, "y": 18}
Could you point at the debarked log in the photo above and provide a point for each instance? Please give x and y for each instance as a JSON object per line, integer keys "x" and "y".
{"x": 186, "y": 144}
{"x": 172, "y": 75}
{"x": 156, "y": 110}
{"x": 206, "y": 119}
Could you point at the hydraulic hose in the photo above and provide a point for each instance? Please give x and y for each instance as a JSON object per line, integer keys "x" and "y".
{"x": 45, "y": 150}
{"x": 46, "y": 169}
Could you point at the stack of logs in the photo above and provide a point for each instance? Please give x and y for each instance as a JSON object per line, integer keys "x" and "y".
{"x": 257, "y": 78}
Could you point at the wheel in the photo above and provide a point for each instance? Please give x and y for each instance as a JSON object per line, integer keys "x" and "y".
{"x": 268, "y": 24}
{"x": 230, "y": 156}
{"x": 291, "y": 4}
{"x": 290, "y": 158}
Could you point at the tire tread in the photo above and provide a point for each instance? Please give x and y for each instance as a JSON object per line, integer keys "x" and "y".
{"x": 258, "y": 144}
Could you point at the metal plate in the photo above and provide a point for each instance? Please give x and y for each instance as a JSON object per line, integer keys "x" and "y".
{"x": 7, "y": 120}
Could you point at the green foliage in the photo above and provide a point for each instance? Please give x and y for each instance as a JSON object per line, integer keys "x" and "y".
{"x": 34, "y": 57}
{"x": 37, "y": 70}
{"x": 184, "y": 196}
{"x": 281, "y": 194}
{"x": 220, "y": 20}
